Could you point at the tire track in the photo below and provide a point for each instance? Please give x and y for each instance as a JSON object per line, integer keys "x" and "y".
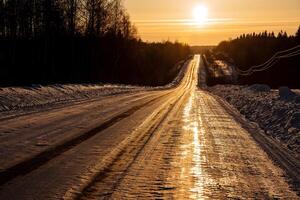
{"x": 127, "y": 156}
{"x": 107, "y": 180}
{"x": 42, "y": 158}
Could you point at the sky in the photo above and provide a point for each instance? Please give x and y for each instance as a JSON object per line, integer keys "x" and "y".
{"x": 207, "y": 22}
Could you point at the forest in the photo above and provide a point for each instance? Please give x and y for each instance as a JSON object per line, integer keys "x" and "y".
{"x": 79, "y": 41}
{"x": 256, "y": 48}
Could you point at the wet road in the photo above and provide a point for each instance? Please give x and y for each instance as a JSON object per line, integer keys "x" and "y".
{"x": 176, "y": 143}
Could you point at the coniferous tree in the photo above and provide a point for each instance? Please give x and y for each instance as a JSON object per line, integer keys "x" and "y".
{"x": 298, "y": 34}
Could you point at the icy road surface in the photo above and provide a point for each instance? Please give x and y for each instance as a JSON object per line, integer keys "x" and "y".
{"x": 178, "y": 143}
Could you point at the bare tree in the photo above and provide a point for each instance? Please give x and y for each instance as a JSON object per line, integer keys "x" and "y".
{"x": 2, "y": 19}
{"x": 97, "y": 12}
{"x": 128, "y": 31}
{"x": 71, "y": 18}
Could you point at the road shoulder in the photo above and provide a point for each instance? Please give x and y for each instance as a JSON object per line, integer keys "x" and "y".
{"x": 279, "y": 154}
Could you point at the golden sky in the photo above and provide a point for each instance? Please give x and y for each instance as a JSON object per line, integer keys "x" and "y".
{"x": 159, "y": 20}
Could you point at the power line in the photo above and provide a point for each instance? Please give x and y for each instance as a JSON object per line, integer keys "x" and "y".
{"x": 275, "y": 56}
{"x": 295, "y": 51}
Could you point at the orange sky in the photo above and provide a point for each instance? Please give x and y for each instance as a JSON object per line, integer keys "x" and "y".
{"x": 159, "y": 20}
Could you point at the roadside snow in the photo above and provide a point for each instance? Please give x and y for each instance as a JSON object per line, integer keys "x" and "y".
{"x": 22, "y": 99}
{"x": 297, "y": 91}
{"x": 277, "y": 115}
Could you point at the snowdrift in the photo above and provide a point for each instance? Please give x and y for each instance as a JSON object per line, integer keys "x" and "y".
{"x": 277, "y": 112}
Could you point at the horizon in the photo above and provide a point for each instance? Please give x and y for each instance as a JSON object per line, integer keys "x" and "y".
{"x": 160, "y": 21}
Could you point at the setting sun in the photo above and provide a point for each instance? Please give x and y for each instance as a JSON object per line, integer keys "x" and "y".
{"x": 190, "y": 21}
{"x": 200, "y": 14}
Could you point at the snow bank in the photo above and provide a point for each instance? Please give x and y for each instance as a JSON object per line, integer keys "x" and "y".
{"x": 36, "y": 96}
{"x": 277, "y": 112}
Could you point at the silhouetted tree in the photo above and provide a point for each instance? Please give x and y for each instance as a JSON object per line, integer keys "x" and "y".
{"x": 51, "y": 41}
{"x": 2, "y": 19}
{"x": 256, "y": 48}
{"x": 71, "y": 15}
{"x": 298, "y": 34}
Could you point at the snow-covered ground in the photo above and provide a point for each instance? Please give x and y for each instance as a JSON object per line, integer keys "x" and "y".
{"x": 23, "y": 99}
{"x": 297, "y": 91}
{"x": 278, "y": 113}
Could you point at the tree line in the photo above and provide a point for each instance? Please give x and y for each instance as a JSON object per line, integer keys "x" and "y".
{"x": 256, "y": 48}
{"x": 33, "y": 18}
{"x": 76, "y": 41}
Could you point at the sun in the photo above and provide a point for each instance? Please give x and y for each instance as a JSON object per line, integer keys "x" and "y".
{"x": 200, "y": 14}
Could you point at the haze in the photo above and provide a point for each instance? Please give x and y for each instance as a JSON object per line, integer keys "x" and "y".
{"x": 159, "y": 20}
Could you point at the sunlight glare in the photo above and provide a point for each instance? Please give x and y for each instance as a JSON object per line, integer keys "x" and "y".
{"x": 200, "y": 14}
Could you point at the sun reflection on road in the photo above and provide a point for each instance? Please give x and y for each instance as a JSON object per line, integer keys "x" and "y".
{"x": 192, "y": 128}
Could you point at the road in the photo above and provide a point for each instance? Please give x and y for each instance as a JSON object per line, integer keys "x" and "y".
{"x": 179, "y": 143}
